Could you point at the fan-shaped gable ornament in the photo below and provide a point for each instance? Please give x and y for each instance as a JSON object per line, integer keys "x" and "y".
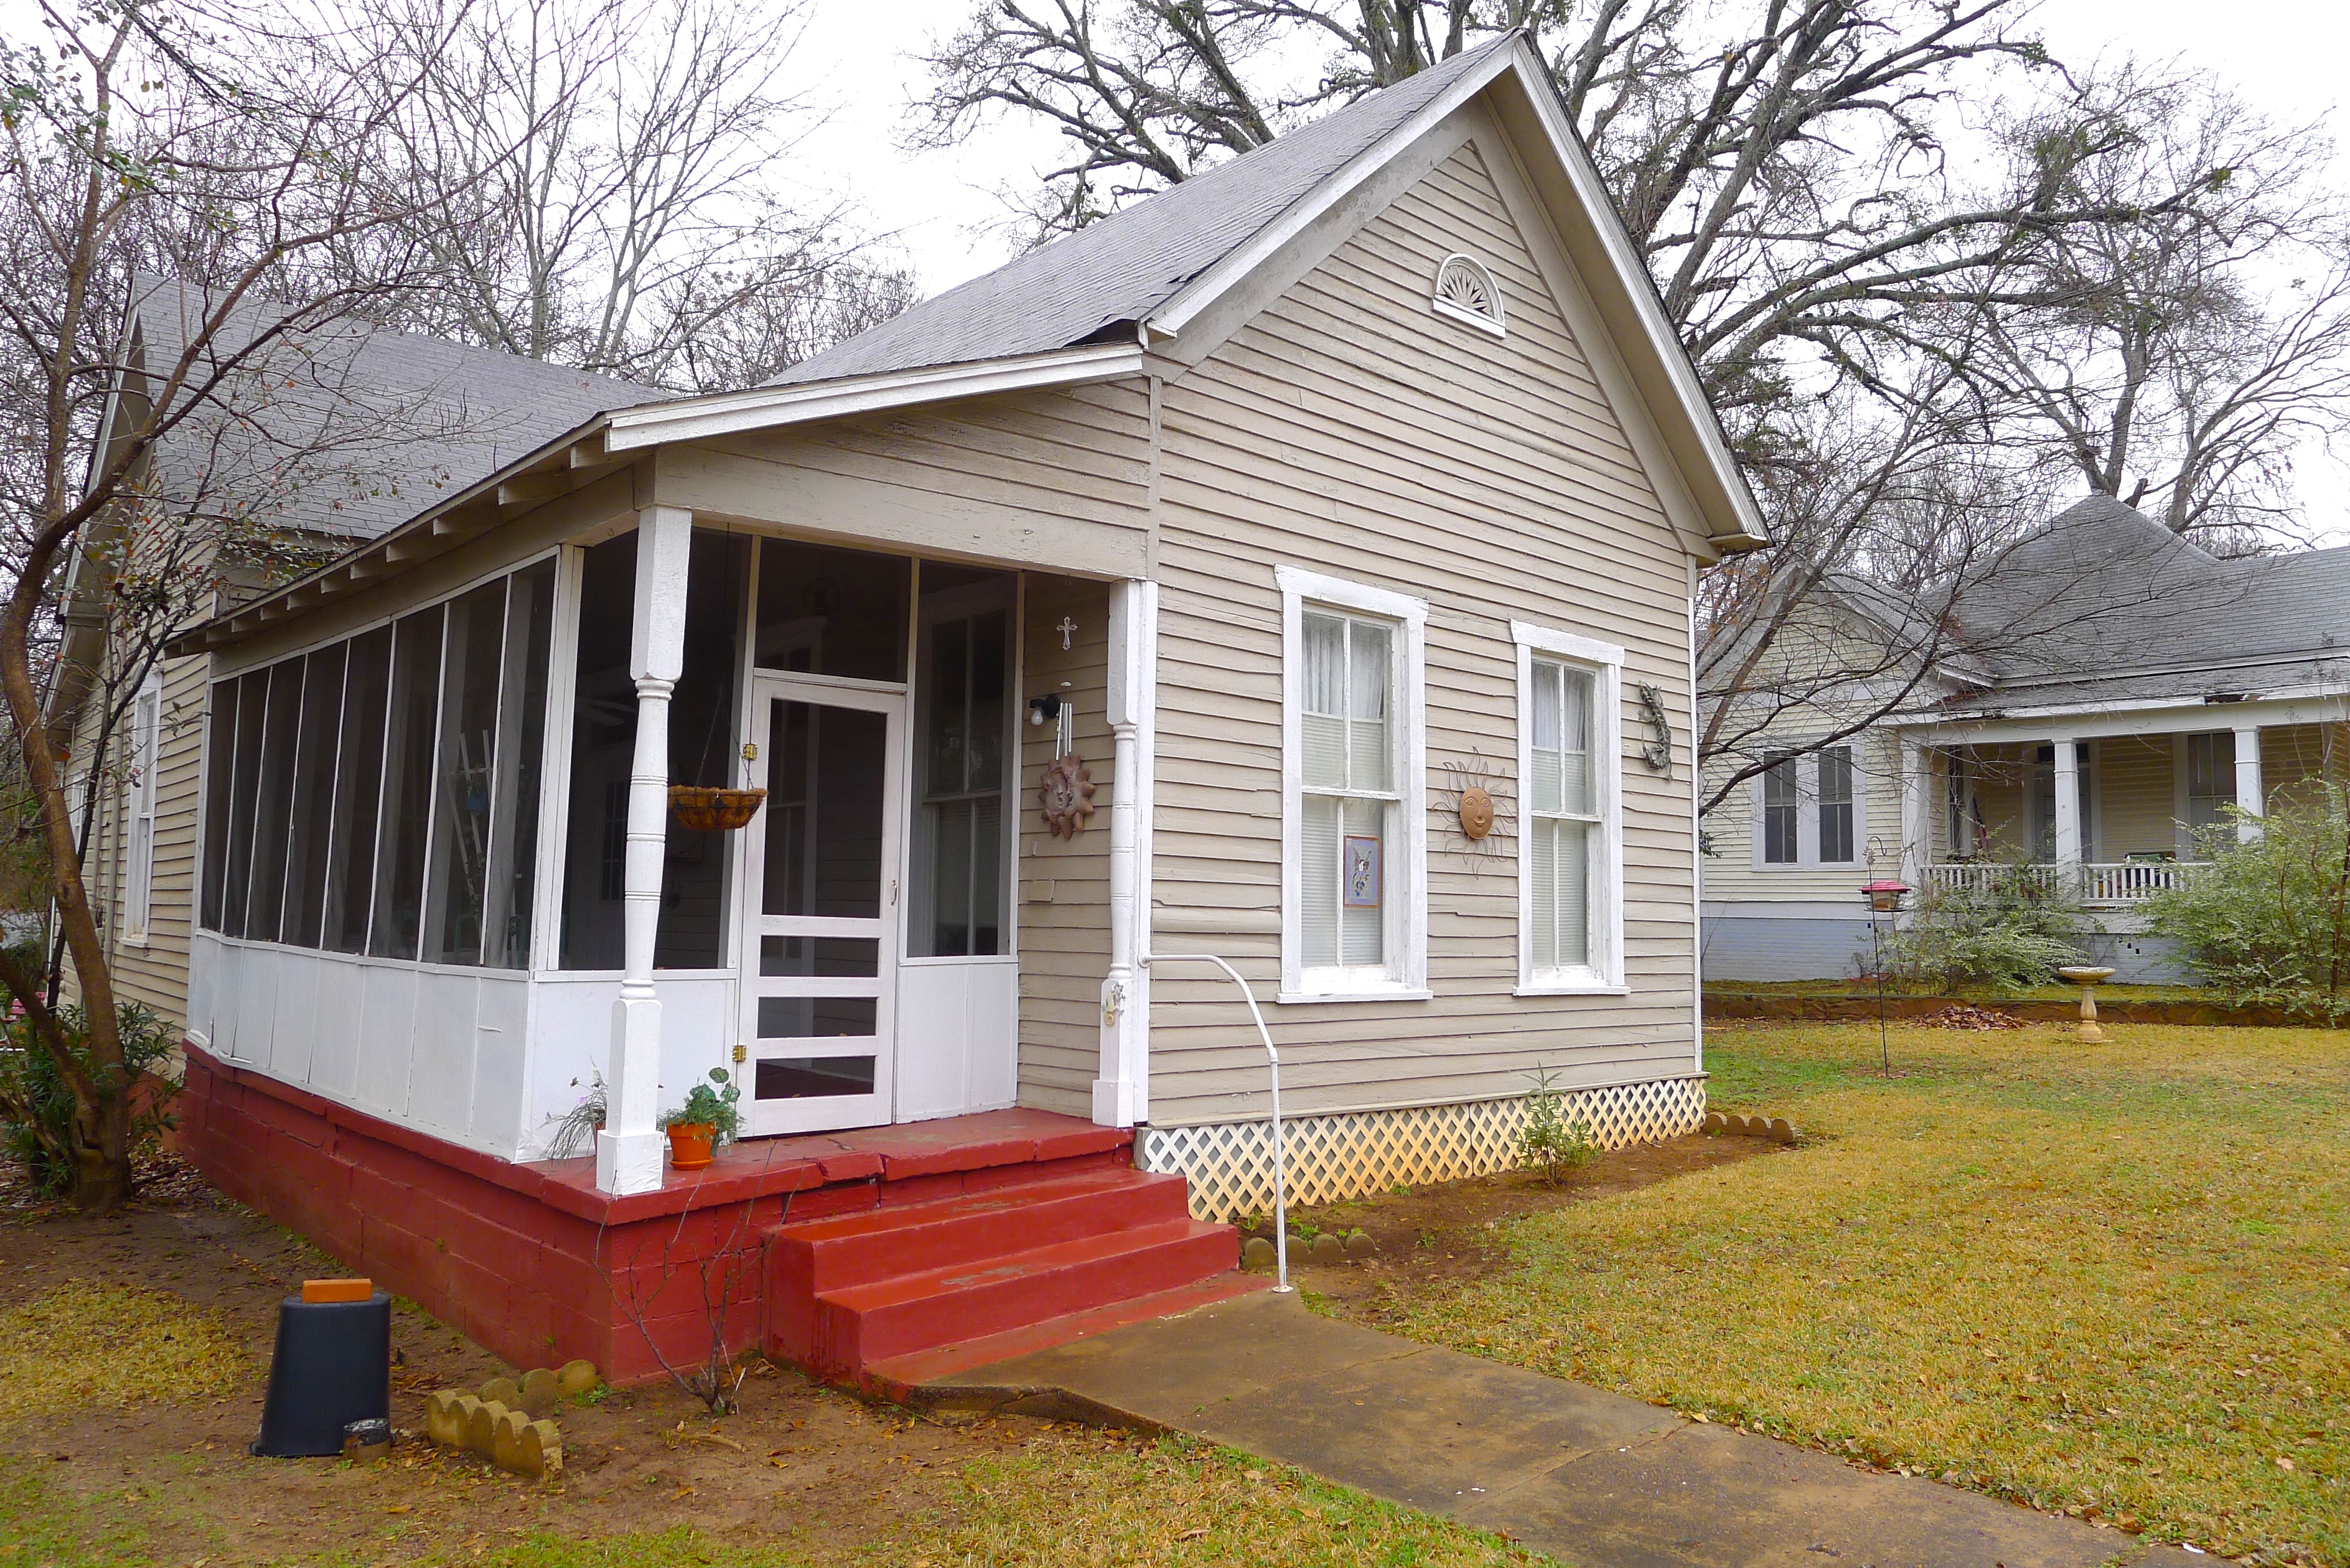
{"x": 1067, "y": 796}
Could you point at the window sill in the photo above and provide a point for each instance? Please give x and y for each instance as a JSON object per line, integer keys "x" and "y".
{"x": 1360, "y": 994}
{"x": 1572, "y": 988}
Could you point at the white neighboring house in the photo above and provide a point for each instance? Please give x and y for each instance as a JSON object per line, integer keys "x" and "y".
{"x": 2108, "y": 690}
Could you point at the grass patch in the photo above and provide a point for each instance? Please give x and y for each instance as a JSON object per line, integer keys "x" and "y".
{"x": 2054, "y": 990}
{"x": 81, "y": 1345}
{"x": 2112, "y": 1280}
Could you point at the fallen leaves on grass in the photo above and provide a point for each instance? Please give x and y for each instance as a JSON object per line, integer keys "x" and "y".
{"x": 2104, "y": 1280}
{"x": 81, "y": 1345}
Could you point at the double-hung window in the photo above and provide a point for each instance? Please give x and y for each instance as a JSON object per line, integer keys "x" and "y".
{"x": 1355, "y": 838}
{"x": 146, "y": 750}
{"x": 1570, "y": 928}
{"x": 1809, "y": 809}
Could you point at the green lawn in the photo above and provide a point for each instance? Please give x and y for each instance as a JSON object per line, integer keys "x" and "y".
{"x": 2054, "y": 990}
{"x": 2111, "y": 1279}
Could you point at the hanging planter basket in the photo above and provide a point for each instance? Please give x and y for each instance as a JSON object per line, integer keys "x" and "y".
{"x": 714, "y": 810}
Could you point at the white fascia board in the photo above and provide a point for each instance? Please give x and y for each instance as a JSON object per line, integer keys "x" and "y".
{"x": 765, "y": 407}
{"x": 2303, "y": 705}
{"x": 1169, "y": 320}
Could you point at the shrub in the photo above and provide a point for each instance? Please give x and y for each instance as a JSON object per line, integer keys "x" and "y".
{"x": 2006, "y": 933}
{"x": 2268, "y": 923}
{"x": 37, "y": 1108}
{"x": 1551, "y": 1144}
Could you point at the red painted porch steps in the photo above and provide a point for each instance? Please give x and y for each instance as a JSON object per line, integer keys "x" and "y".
{"x": 851, "y": 1296}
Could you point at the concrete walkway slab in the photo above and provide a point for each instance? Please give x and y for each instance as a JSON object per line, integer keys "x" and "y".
{"x": 1586, "y": 1476}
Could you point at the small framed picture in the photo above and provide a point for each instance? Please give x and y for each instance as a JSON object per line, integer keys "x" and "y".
{"x": 1360, "y": 887}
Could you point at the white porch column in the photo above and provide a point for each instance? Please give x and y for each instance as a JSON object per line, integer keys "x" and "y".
{"x": 1917, "y": 811}
{"x": 2068, "y": 801}
{"x": 629, "y": 1150}
{"x": 1122, "y": 1093}
{"x": 2251, "y": 797}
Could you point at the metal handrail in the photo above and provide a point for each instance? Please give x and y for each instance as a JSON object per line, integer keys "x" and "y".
{"x": 1272, "y": 1060}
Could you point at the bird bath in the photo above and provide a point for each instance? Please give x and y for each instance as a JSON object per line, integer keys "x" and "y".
{"x": 2087, "y": 978}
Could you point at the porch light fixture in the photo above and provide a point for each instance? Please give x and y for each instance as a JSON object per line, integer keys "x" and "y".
{"x": 1041, "y": 709}
{"x": 1883, "y": 897}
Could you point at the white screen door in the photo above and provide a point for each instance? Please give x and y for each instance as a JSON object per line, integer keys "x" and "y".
{"x": 820, "y": 892}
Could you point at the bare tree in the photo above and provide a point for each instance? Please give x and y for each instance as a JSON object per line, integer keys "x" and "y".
{"x": 139, "y": 133}
{"x": 2180, "y": 359}
{"x": 628, "y": 206}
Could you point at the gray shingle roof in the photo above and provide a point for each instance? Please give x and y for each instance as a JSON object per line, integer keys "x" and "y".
{"x": 351, "y": 427}
{"x": 1116, "y": 271}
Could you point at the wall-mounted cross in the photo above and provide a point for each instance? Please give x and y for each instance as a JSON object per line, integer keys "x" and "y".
{"x": 1067, "y": 628}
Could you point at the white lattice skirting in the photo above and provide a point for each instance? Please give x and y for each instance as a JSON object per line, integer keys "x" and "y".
{"x": 1330, "y": 1158}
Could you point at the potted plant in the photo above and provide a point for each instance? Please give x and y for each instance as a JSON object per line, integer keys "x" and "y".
{"x": 707, "y": 1119}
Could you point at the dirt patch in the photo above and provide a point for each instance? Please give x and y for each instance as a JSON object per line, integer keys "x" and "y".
{"x": 1433, "y": 1238}
{"x": 799, "y": 1465}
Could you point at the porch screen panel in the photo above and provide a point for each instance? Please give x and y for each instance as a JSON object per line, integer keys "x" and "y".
{"x": 466, "y": 752}
{"x": 703, "y": 747}
{"x": 959, "y": 887}
{"x": 359, "y": 793}
{"x": 317, "y": 746}
{"x": 407, "y": 818}
{"x": 824, "y": 611}
{"x": 219, "y": 786}
{"x": 252, "y": 712}
{"x": 603, "y": 735}
{"x": 522, "y": 742}
{"x": 274, "y": 808}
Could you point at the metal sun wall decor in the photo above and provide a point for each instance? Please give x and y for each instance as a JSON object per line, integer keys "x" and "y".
{"x": 1067, "y": 796}
{"x": 1471, "y": 806}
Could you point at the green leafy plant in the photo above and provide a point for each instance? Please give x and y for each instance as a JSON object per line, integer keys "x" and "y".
{"x": 1551, "y": 1144}
{"x": 36, "y": 1107}
{"x": 2267, "y": 923}
{"x": 2007, "y": 932}
{"x": 711, "y": 1104}
{"x": 575, "y": 1130}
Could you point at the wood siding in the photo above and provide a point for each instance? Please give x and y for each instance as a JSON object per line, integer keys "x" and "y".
{"x": 1351, "y": 429}
{"x": 1064, "y": 887}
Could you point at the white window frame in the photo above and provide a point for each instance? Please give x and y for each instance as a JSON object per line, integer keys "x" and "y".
{"x": 1603, "y": 661}
{"x": 1406, "y": 971}
{"x": 1807, "y": 760}
{"x": 146, "y": 753}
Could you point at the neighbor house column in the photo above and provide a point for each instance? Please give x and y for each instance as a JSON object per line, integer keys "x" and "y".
{"x": 1122, "y": 1092}
{"x": 629, "y": 1150}
{"x": 1917, "y": 811}
{"x": 2068, "y": 803}
{"x": 2251, "y": 797}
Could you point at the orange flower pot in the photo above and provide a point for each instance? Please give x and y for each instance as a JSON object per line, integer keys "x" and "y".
{"x": 689, "y": 1145}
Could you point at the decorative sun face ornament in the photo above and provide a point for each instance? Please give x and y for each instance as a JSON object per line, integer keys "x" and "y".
{"x": 1067, "y": 796}
{"x": 1476, "y": 814}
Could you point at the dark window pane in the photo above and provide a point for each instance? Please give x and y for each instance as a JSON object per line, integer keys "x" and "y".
{"x": 274, "y": 808}
{"x": 804, "y": 1017}
{"x": 252, "y": 706}
{"x": 825, "y": 783}
{"x": 812, "y": 1078}
{"x": 960, "y": 711}
{"x": 358, "y": 789}
{"x": 603, "y": 735}
{"x": 467, "y": 751}
{"x": 832, "y": 612}
{"x": 835, "y": 957}
{"x": 522, "y": 735}
{"x": 1779, "y": 809}
{"x": 219, "y": 788}
{"x": 408, "y": 784}
{"x": 703, "y": 748}
{"x": 314, "y": 795}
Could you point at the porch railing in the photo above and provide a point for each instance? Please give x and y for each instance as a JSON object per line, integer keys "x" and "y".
{"x": 2117, "y": 884}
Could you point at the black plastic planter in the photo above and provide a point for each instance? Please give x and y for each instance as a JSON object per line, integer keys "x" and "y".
{"x": 332, "y": 1366}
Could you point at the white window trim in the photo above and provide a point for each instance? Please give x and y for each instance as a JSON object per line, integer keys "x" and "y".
{"x": 1604, "y": 976}
{"x": 1808, "y": 813}
{"x": 147, "y": 754}
{"x": 1406, "y": 967}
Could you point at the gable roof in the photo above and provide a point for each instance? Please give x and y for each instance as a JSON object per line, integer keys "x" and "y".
{"x": 360, "y": 427}
{"x": 1110, "y": 276}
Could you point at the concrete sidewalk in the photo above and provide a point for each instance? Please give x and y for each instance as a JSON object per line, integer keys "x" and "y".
{"x": 1593, "y": 1478}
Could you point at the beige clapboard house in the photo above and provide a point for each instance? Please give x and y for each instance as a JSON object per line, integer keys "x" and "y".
{"x": 1162, "y": 593}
